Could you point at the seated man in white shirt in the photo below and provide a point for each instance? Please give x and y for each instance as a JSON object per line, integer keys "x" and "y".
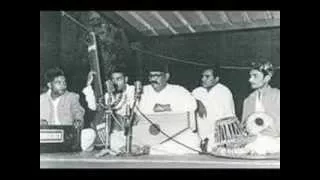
{"x": 161, "y": 97}
{"x": 215, "y": 102}
{"x": 121, "y": 100}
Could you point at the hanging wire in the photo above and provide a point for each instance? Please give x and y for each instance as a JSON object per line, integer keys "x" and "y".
{"x": 159, "y": 55}
{"x": 190, "y": 62}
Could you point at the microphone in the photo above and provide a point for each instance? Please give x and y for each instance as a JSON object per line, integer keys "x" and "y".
{"x": 110, "y": 86}
{"x": 110, "y": 90}
{"x": 138, "y": 89}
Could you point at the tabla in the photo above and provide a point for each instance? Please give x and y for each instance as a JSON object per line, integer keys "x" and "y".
{"x": 227, "y": 130}
{"x": 232, "y": 137}
{"x": 173, "y": 124}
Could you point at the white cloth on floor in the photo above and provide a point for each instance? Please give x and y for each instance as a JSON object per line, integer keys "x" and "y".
{"x": 172, "y": 148}
{"x": 265, "y": 144}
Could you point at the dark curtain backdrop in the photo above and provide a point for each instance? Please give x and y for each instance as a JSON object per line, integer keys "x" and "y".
{"x": 49, "y": 42}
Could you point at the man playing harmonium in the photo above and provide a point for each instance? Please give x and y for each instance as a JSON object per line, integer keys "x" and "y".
{"x": 59, "y": 106}
{"x": 215, "y": 101}
{"x": 122, "y": 97}
{"x": 166, "y": 101}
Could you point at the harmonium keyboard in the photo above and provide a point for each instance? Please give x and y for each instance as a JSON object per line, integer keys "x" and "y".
{"x": 54, "y": 138}
{"x": 172, "y": 124}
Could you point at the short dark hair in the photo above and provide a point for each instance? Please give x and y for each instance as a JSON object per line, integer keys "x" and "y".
{"x": 263, "y": 66}
{"x": 119, "y": 68}
{"x": 215, "y": 68}
{"x": 52, "y": 73}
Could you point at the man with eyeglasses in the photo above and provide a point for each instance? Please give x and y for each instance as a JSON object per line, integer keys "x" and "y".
{"x": 162, "y": 97}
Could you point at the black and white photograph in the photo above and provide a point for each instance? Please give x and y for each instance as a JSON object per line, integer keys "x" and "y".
{"x": 160, "y": 89}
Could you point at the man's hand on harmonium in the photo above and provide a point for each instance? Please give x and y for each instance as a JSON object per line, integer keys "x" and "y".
{"x": 43, "y": 122}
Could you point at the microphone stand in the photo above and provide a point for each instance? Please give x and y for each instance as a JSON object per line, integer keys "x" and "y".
{"x": 108, "y": 119}
{"x": 129, "y": 125}
{"x": 128, "y": 130}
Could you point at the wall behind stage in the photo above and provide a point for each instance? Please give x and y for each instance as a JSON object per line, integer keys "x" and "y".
{"x": 232, "y": 48}
{"x": 62, "y": 44}
{"x": 49, "y": 41}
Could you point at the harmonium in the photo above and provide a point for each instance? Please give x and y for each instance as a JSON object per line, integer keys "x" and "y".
{"x": 56, "y": 138}
{"x": 148, "y": 129}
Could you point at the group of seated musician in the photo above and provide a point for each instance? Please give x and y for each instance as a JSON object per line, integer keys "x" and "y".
{"x": 209, "y": 103}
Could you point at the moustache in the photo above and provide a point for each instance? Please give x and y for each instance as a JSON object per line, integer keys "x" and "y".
{"x": 154, "y": 82}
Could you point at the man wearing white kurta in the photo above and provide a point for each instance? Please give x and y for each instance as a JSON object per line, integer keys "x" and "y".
{"x": 122, "y": 99}
{"x": 160, "y": 97}
{"x": 215, "y": 102}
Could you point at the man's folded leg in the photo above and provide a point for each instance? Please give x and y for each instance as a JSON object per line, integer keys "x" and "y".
{"x": 88, "y": 137}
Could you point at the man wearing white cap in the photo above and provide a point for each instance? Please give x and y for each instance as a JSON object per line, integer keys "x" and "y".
{"x": 161, "y": 97}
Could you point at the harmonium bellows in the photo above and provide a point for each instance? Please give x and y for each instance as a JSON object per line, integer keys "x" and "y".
{"x": 172, "y": 124}
{"x": 54, "y": 138}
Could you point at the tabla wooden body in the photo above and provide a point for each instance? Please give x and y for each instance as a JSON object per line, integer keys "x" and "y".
{"x": 227, "y": 130}
{"x": 145, "y": 133}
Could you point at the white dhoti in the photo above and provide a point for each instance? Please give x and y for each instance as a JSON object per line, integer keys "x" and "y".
{"x": 265, "y": 144}
{"x": 172, "y": 148}
{"x": 117, "y": 140}
{"x": 88, "y": 136}
{"x": 206, "y": 129}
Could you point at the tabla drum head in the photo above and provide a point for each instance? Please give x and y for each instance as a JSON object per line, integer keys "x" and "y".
{"x": 257, "y": 122}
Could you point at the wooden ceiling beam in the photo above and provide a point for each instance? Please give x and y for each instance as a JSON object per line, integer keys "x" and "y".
{"x": 225, "y": 18}
{"x": 204, "y": 19}
{"x": 184, "y": 21}
{"x": 164, "y": 22}
{"x": 268, "y": 15}
{"x": 246, "y": 17}
{"x": 142, "y": 21}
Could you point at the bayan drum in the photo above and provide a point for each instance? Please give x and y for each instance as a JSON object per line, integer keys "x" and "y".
{"x": 228, "y": 130}
{"x": 257, "y": 122}
{"x": 173, "y": 124}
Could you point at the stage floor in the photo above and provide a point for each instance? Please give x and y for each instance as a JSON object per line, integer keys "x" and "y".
{"x": 88, "y": 160}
